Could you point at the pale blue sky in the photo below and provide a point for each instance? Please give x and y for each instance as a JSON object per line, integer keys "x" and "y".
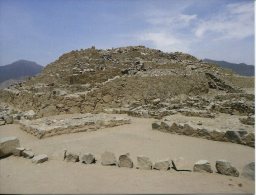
{"x": 42, "y": 30}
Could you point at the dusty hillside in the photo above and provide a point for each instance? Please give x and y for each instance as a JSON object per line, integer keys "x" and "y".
{"x": 93, "y": 80}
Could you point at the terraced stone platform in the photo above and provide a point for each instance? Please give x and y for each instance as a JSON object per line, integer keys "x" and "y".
{"x": 71, "y": 123}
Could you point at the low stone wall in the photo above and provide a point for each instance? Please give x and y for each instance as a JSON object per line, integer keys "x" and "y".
{"x": 63, "y": 124}
{"x": 239, "y": 137}
{"x": 11, "y": 146}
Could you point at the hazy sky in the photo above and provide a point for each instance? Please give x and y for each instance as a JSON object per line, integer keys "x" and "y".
{"x": 42, "y": 30}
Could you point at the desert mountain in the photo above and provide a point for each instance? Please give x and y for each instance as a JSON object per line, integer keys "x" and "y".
{"x": 18, "y": 70}
{"x": 241, "y": 69}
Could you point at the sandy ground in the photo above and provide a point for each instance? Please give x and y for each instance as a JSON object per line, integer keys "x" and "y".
{"x": 19, "y": 175}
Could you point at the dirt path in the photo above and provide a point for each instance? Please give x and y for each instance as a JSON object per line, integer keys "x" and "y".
{"x": 18, "y": 175}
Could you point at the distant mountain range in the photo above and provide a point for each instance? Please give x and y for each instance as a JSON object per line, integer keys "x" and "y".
{"x": 18, "y": 71}
{"x": 241, "y": 69}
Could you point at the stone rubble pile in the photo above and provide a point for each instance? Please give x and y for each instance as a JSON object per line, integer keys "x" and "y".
{"x": 11, "y": 146}
{"x": 91, "y": 80}
{"x": 239, "y": 136}
{"x": 9, "y": 115}
{"x": 191, "y": 106}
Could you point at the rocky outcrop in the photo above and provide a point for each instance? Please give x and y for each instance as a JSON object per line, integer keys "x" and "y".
{"x": 7, "y": 145}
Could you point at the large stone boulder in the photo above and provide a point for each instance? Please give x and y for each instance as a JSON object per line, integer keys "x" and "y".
{"x": 108, "y": 158}
{"x": 225, "y": 168}
{"x": 70, "y": 157}
{"x": 39, "y": 158}
{"x": 125, "y": 161}
{"x": 88, "y": 159}
{"x": 162, "y": 165}
{"x": 202, "y": 166}
{"x": 7, "y": 145}
{"x": 144, "y": 163}
{"x": 249, "y": 171}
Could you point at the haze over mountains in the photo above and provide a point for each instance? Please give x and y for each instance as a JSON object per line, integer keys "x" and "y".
{"x": 18, "y": 70}
{"x": 241, "y": 69}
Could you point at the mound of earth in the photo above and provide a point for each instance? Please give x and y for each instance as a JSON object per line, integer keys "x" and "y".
{"x": 93, "y": 80}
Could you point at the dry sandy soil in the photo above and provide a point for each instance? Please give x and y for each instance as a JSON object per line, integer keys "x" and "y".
{"x": 19, "y": 175}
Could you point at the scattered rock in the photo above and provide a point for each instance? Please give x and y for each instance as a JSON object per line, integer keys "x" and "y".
{"x": 2, "y": 122}
{"x": 225, "y": 168}
{"x": 39, "y": 158}
{"x": 18, "y": 151}
{"x": 249, "y": 171}
{"x": 7, "y": 145}
{"x": 8, "y": 119}
{"x": 179, "y": 165}
{"x": 29, "y": 114}
{"x": 233, "y": 136}
{"x": 70, "y": 157}
{"x": 156, "y": 125}
{"x": 108, "y": 158}
{"x": 88, "y": 159}
{"x": 202, "y": 166}
{"x": 249, "y": 139}
{"x": 125, "y": 161}
{"x": 162, "y": 165}
{"x": 27, "y": 154}
{"x": 144, "y": 163}
{"x": 250, "y": 120}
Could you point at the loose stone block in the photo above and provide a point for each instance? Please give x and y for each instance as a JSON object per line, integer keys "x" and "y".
{"x": 18, "y": 151}
{"x": 162, "y": 165}
{"x": 40, "y": 158}
{"x": 202, "y": 166}
{"x": 88, "y": 159}
{"x": 225, "y": 168}
{"x": 108, "y": 158}
{"x": 249, "y": 171}
{"x": 70, "y": 157}
{"x": 144, "y": 163}
{"x": 125, "y": 161}
{"x": 27, "y": 154}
